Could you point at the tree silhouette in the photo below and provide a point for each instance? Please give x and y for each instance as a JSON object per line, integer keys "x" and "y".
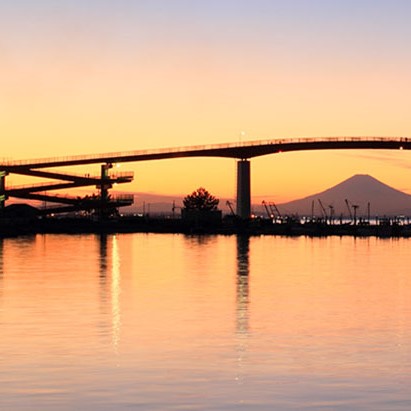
{"x": 200, "y": 199}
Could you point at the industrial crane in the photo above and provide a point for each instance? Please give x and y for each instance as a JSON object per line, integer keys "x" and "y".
{"x": 349, "y": 209}
{"x": 230, "y": 206}
{"x": 323, "y": 210}
{"x": 272, "y": 206}
{"x": 269, "y": 214}
{"x": 354, "y": 207}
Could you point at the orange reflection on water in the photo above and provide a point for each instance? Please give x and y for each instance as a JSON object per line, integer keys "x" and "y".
{"x": 332, "y": 299}
{"x": 115, "y": 294}
{"x": 178, "y": 312}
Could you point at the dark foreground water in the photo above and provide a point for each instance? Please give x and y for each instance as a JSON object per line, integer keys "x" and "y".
{"x": 168, "y": 322}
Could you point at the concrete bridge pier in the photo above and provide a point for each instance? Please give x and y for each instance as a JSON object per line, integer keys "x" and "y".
{"x": 2, "y": 189}
{"x": 243, "y": 189}
{"x": 105, "y": 185}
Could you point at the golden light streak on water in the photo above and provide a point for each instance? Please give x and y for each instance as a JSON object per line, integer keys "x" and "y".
{"x": 162, "y": 322}
{"x": 242, "y": 299}
{"x": 115, "y": 294}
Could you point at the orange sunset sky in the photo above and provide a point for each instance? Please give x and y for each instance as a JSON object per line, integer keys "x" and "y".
{"x": 80, "y": 77}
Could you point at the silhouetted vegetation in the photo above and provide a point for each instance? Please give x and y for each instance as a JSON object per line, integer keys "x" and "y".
{"x": 200, "y": 199}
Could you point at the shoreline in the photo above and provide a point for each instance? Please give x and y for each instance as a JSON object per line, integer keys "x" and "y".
{"x": 78, "y": 225}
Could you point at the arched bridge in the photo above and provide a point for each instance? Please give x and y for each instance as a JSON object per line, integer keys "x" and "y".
{"x": 243, "y": 151}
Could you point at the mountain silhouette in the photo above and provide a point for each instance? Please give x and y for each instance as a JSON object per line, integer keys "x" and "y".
{"x": 360, "y": 190}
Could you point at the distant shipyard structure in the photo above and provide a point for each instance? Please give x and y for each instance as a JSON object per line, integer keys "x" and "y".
{"x": 361, "y": 193}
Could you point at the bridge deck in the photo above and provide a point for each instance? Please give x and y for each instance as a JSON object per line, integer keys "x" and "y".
{"x": 241, "y": 150}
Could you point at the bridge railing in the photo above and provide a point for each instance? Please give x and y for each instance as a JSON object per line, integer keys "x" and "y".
{"x": 123, "y": 174}
{"x": 34, "y": 186}
{"x": 118, "y": 155}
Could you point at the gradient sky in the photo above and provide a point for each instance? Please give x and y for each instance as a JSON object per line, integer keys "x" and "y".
{"x": 102, "y": 76}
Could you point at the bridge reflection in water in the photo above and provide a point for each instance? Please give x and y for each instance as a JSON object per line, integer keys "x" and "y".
{"x": 1, "y": 268}
{"x": 242, "y": 315}
{"x": 110, "y": 291}
{"x": 243, "y": 270}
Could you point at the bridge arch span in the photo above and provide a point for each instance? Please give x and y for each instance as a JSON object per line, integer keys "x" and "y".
{"x": 242, "y": 151}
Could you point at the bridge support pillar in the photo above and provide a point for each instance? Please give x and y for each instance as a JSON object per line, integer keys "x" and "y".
{"x": 105, "y": 185}
{"x": 3, "y": 196}
{"x": 243, "y": 189}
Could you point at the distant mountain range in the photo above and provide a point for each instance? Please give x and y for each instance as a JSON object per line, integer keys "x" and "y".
{"x": 359, "y": 190}
{"x": 162, "y": 204}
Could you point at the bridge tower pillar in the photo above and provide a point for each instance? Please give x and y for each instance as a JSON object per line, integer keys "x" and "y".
{"x": 243, "y": 189}
{"x": 3, "y": 196}
{"x": 105, "y": 185}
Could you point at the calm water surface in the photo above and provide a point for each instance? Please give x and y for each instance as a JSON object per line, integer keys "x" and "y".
{"x": 169, "y": 322}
